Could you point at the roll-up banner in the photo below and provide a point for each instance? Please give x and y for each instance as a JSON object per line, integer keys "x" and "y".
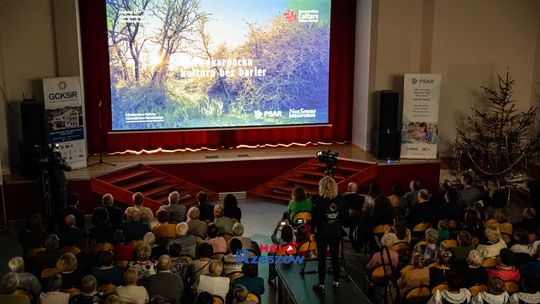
{"x": 421, "y": 97}
{"x": 65, "y": 118}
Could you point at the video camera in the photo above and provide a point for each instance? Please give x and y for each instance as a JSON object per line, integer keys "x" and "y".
{"x": 48, "y": 154}
{"x": 329, "y": 158}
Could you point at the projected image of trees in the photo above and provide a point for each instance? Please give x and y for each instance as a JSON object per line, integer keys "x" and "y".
{"x": 200, "y": 64}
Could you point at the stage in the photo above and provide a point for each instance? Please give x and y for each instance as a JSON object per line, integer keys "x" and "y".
{"x": 222, "y": 170}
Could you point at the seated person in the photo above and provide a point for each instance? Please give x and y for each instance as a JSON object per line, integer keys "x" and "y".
{"x": 415, "y": 277}
{"x": 25, "y": 280}
{"x": 378, "y": 258}
{"x": 146, "y": 215}
{"x": 230, "y": 264}
{"x": 9, "y": 284}
{"x": 530, "y": 293}
{"x": 72, "y": 208}
{"x": 196, "y": 226}
{"x": 144, "y": 267}
{"x": 502, "y": 223}
{"x": 206, "y": 210}
{"x": 461, "y": 251}
{"x": 160, "y": 249}
{"x": 48, "y": 258}
{"x": 299, "y": 201}
{"x": 52, "y": 293}
{"x": 106, "y": 272}
{"x": 201, "y": 265}
{"x": 240, "y": 294}
{"x": 495, "y": 293}
{"x": 219, "y": 244}
{"x": 177, "y": 211}
{"x": 121, "y": 251}
{"x": 223, "y": 223}
{"x": 454, "y": 293}
{"x": 238, "y": 233}
{"x": 505, "y": 270}
{"x": 68, "y": 267}
{"x": 88, "y": 293}
{"x": 130, "y": 292}
{"x": 528, "y": 221}
{"x": 103, "y": 230}
{"x": 165, "y": 283}
{"x": 474, "y": 273}
{"x": 187, "y": 242}
{"x": 531, "y": 270}
{"x": 180, "y": 266}
{"x": 134, "y": 229}
{"x": 164, "y": 229}
{"x": 213, "y": 282}
{"x": 70, "y": 234}
{"x": 493, "y": 245}
{"x": 437, "y": 273}
{"x": 522, "y": 249}
{"x": 250, "y": 280}
{"x": 115, "y": 213}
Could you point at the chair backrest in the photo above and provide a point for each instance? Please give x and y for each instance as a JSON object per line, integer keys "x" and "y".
{"x": 477, "y": 288}
{"x": 22, "y": 292}
{"x": 218, "y": 300}
{"x": 406, "y": 269}
{"x": 439, "y": 287}
{"x": 304, "y": 215}
{"x": 226, "y": 236}
{"x": 381, "y": 229}
{"x": 402, "y": 248}
{"x": 107, "y": 289}
{"x": 420, "y": 227}
{"x": 73, "y": 249}
{"x": 135, "y": 244}
{"x": 72, "y": 291}
{"x": 418, "y": 294}
{"x": 47, "y": 272}
{"x": 491, "y": 262}
{"x": 34, "y": 251}
{"x": 253, "y": 298}
{"x": 490, "y": 222}
{"x": 235, "y": 275}
{"x": 511, "y": 286}
{"x": 532, "y": 237}
{"x": 507, "y": 238}
{"x": 382, "y": 274}
{"x": 100, "y": 247}
{"x": 448, "y": 244}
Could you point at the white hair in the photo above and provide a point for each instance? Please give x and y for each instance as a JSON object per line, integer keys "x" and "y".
{"x": 238, "y": 229}
{"x": 182, "y": 228}
{"x": 16, "y": 264}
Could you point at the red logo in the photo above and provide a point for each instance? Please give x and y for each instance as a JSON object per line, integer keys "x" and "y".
{"x": 290, "y": 16}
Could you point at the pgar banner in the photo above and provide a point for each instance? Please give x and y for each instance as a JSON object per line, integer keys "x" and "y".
{"x": 421, "y": 97}
{"x": 65, "y": 119}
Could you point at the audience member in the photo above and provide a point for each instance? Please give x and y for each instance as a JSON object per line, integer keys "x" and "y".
{"x": 530, "y": 293}
{"x": 105, "y": 272}
{"x": 70, "y": 234}
{"x": 420, "y": 211}
{"x": 187, "y": 242}
{"x": 219, "y": 244}
{"x": 103, "y": 230}
{"x": 417, "y": 276}
{"x": 531, "y": 270}
{"x": 240, "y": 294}
{"x": 67, "y": 267}
{"x": 437, "y": 199}
{"x": 35, "y": 233}
{"x": 196, "y": 226}
{"x": 469, "y": 194}
{"x": 431, "y": 249}
{"x": 495, "y": 294}
{"x": 528, "y": 221}
{"x": 504, "y": 226}
{"x": 449, "y": 209}
{"x": 229, "y": 260}
{"x": 48, "y": 257}
{"x": 472, "y": 223}
{"x": 505, "y": 270}
{"x": 493, "y": 245}
{"x": 25, "y": 280}
{"x": 249, "y": 280}
{"x": 206, "y": 210}
{"x": 146, "y": 214}
{"x": 201, "y": 265}
{"x": 397, "y": 198}
{"x": 223, "y": 223}
{"x": 161, "y": 248}
{"x": 230, "y": 207}
{"x": 134, "y": 229}
{"x": 122, "y": 252}
{"x": 144, "y": 267}
{"x": 164, "y": 229}
{"x": 204, "y": 298}
{"x": 115, "y": 213}
{"x": 180, "y": 265}
{"x": 52, "y": 293}
{"x": 89, "y": 294}
{"x": 474, "y": 273}
{"x": 369, "y": 201}
{"x": 461, "y": 251}
{"x": 9, "y": 284}
{"x": 412, "y": 196}
{"x": 177, "y": 211}
{"x": 71, "y": 209}
{"x": 454, "y": 293}
{"x": 238, "y": 233}
{"x": 214, "y": 283}
{"x": 438, "y": 271}
{"x": 522, "y": 249}
{"x": 130, "y": 292}
{"x": 299, "y": 201}
{"x": 380, "y": 257}
{"x": 165, "y": 283}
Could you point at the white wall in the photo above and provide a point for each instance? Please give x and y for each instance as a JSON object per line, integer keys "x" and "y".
{"x": 38, "y": 39}
{"x": 468, "y": 42}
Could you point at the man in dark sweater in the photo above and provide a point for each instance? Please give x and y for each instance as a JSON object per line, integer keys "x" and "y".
{"x": 135, "y": 229}
{"x": 165, "y": 283}
{"x": 73, "y": 202}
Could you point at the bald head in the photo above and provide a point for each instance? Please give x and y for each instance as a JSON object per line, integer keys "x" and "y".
{"x": 164, "y": 263}
{"x": 69, "y": 220}
{"x": 352, "y": 187}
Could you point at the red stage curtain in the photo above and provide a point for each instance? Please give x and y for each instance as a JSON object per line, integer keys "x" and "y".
{"x": 97, "y": 89}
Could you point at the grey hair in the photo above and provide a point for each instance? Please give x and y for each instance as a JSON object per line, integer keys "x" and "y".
{"x": 16, "y": 264}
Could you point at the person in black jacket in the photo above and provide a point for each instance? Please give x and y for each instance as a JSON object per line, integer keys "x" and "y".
{"x": 326, "y": 220}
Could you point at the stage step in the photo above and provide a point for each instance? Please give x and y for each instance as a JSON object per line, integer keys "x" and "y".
{"x": 155, "y": 185}
{"x": 308, "y": 175}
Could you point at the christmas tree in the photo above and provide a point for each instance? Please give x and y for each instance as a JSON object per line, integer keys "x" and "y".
{"x": 498, "y": 142}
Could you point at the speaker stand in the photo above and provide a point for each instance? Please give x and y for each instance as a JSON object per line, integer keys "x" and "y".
{"x": 100, "y": 161}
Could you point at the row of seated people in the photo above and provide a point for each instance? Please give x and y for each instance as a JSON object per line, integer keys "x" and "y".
{"x": 107, "y": 262}
{"x": 441, "y": 251}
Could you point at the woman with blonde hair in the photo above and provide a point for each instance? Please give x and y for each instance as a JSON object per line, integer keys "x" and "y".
{"x": 327, "y": 214}
{"x": 415, "y": 277}
{"x": 68, "y": 267}
{"x": 494, "y": 243}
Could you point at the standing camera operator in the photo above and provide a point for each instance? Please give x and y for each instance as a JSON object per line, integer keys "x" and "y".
{"x": 53, "y": 167}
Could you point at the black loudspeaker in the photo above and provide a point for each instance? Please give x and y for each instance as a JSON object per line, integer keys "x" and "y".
{"x": 34, "y": 134}
{"x": 386, "y": 110}
{"x": 386, "y": 144}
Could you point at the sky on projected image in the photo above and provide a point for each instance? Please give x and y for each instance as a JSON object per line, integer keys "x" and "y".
{"x": 209, "y": 64}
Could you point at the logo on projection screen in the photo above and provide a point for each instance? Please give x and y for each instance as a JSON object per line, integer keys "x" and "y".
{"x": 290, "y": 16}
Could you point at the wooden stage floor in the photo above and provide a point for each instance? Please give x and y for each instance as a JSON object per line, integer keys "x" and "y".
{"x": 346, "y": 151}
